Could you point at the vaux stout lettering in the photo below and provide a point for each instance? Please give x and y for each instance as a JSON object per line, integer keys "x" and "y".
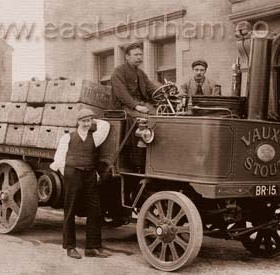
{"x": 258, "y": 136}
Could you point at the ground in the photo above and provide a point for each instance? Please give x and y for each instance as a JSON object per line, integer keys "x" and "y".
{"x": 38, "y": 251}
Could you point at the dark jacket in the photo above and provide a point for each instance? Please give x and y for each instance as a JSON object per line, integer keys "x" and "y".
{"x": 131, "y": 86}
{"x": 190, "y": 87}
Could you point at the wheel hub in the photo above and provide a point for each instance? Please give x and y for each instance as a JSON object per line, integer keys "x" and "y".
{"x": 45, "y": 188}
{"x": 18, "y": 196}
{"x": 4, "y": 196}
{"x": 165, "y": 232}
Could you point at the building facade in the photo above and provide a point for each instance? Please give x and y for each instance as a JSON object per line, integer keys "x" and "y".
{"x": 82, "y": 39}
{"x": 21, "y": 26}
{"x": 86, "y": 39}
{"x": 5, "y": 71}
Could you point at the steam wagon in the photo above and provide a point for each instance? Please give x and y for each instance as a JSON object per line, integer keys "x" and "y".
{"x": 201, "y": 166}
{"x": 209, "y": 166}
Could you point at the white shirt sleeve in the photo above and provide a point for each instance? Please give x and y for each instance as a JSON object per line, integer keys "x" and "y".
{"x": 60, "y": 154}
{"x": 102, "y": 131}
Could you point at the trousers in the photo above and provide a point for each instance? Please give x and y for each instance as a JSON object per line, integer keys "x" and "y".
{"x": 81, "y": 195}
{"x": 134, "y": 114}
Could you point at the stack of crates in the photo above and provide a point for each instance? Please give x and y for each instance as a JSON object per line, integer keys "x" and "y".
{"x": 4, "y": 109}
{"x": 40, "y": 112}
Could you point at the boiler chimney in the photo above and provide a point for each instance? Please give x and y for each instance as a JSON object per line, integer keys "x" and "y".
{"x": 259, "y": 75}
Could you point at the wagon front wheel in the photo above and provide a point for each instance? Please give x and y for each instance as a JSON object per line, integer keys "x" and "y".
{"x": 264, "y": 243}
{"x": 169, "y": 230}
{"x": 18, "y": 196}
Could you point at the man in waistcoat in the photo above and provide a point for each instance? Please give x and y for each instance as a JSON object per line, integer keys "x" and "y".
{"x": 76, "y": 158}
{"x": 131, "y": 86}
{"x": 199, "y": 84}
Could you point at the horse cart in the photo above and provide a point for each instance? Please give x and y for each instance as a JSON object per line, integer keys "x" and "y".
{"x": 204, "y": 166}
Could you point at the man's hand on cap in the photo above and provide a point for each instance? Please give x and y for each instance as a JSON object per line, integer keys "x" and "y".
{"x": 84, "y": 113}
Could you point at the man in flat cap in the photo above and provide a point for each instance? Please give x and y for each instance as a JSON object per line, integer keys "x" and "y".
{"x": 131, "y": 85}
{"x": 199, "y": 84}
{"x": 76, "y": 159}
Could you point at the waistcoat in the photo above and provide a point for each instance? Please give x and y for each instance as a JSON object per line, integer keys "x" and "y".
{"x": 81, "y": 154}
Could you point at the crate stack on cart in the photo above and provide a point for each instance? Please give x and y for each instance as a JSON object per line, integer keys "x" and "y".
{"x": 40, "y": 112}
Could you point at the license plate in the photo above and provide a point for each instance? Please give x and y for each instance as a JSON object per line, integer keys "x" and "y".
{"x": 266, "y": 190}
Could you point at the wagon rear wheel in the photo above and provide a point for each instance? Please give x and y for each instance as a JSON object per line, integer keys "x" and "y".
{"x": 169, "y": 230}
{"x": 18, "y": 196}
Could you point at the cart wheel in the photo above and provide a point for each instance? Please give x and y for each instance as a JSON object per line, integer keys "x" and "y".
{"x": 49, "y": 190}
{"x": 169, "y": 230}
{"x": 45, "y": 188}
{"x": 18, "y": 196}
{"x": 264, "y": 243}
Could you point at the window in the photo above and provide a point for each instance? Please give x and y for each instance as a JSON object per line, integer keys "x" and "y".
{"x": 165, "y": 60}
{"x": 105, "y": 62}
{"x": 277, "y": 80}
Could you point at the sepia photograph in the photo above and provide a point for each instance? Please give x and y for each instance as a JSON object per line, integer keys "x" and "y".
{"x": 139, "y": 137}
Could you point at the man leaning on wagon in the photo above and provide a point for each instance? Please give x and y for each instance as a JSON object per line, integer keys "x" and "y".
{"x": 199, "y": 84}
{"x": 131, "y": 86}
{"x": 76, "y": 158}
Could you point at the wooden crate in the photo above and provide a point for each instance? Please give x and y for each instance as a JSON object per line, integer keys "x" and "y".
{"x": 33, "y": 115}
{"x": 69, "y": 112}
{"x": 82, "y": 91}
{"x": 65, "y": 114}
{"x": 52, "y": 115}
{"x": 4, "y": 111}
{"x": 3, "y": 132}
{"x": 37, "y": 91}
{"x": 75, "y": 89}
{"x": 20, "y": 91}
{"x": 47, "y": 137}
{"x": 54, "y": 91}
{"x": 30, "y": 135}
{"x": 17, "y": 112}
{"x": 99, "y": 96}
{"x": 14, "y": 134}
{"x": 62, "y": 131}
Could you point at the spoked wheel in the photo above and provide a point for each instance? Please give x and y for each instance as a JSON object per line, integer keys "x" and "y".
{"x": 264, "y": 243}
{"x": 18, "y": 196}
{"x": 50, "y": 189}
{"x": 164, "y": 110}
{"x": 169, "y": 230}
{"x": 163, "y": 92}
{"x": 45, "y": 188}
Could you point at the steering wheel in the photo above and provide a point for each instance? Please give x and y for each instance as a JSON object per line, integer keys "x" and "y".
{"x": 166, "y": 91}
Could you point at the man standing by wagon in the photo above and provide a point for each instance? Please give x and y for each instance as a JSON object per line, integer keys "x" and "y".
{"x": 76, "y": 159}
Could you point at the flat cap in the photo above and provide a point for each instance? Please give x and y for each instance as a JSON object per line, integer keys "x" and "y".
{"x": 133, "y": 46}
{"x": 84, "y": 113}
{"x": 200, "y": 62}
